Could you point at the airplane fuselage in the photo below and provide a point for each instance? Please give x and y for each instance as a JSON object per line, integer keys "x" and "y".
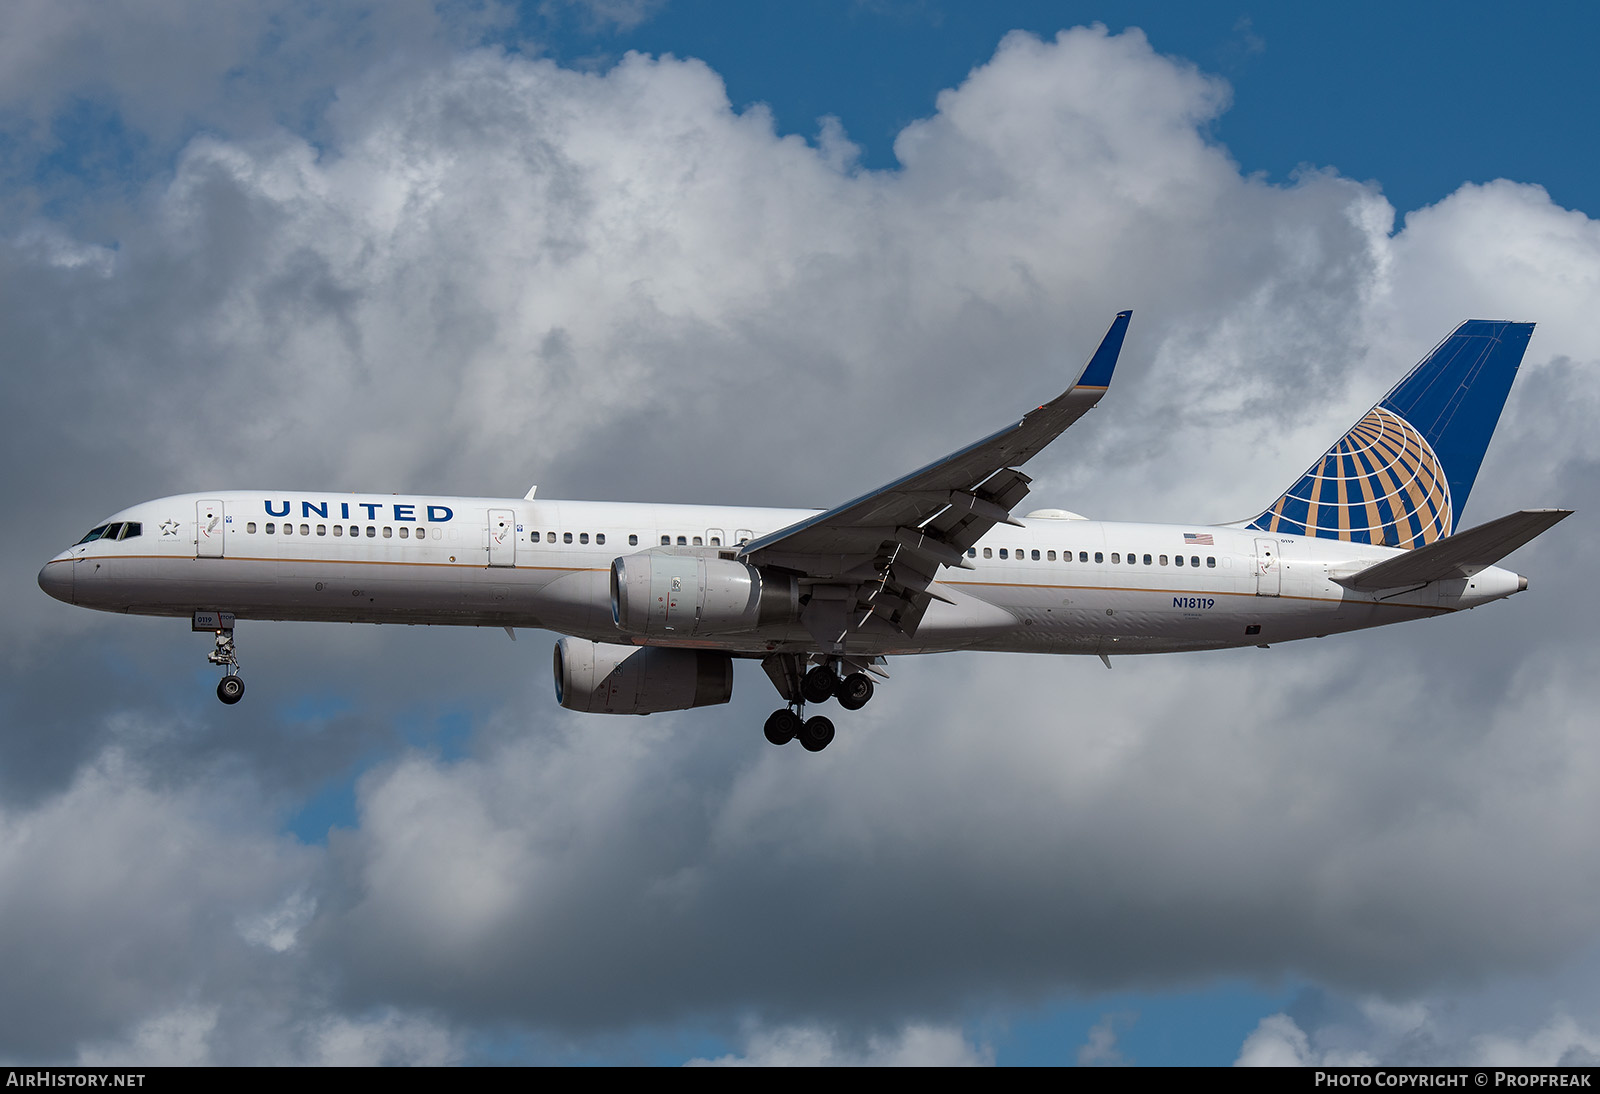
{"x": 1050, "y": 585}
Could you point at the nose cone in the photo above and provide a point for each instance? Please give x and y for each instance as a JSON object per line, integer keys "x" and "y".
{"x": 56, "y": 578}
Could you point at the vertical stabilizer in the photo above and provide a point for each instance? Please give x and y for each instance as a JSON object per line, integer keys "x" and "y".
{"x": 1401, "y": 476}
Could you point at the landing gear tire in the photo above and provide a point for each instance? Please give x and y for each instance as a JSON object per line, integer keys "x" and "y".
{"x": 231, "y": 689}
{"x": 783, "y": 726}
{"x": 819, "y": 684}
{"x": 855, "y": 690}
{"x": 816, "y": 734}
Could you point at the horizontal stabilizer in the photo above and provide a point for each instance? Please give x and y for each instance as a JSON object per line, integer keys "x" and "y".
{"x": 1460, "y": 555}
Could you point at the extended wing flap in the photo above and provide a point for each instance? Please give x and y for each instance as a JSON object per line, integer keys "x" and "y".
{"x": 1460, "y": 555}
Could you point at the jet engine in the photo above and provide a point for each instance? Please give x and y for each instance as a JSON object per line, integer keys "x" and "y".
{"x": 604, "y": 679}
{"x": 659, "y": 594}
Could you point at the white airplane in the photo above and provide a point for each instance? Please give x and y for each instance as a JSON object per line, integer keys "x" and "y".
{"x": 655, "y": 601}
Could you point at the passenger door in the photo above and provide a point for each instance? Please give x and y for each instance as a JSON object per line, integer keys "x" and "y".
{"x": 211, "y": 526}
{"x": 1269, "y": 574}
{"x": 502, "y": 537}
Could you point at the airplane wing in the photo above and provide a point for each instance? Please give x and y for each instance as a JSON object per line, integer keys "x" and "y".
{"x": 873, "y": 558}
{"x": 1460, "y": 555}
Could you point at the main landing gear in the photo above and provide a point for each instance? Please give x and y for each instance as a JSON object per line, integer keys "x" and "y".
{"x": 799, "y": 686}
{"x": 231, "y": 688}
{"x": 787, "y": 724}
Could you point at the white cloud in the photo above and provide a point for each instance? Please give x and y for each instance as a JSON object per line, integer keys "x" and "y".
{"x": 916, "y": 1045}
{"x": 163, "y": 68}
{"x": 279, "y": 928}
{"x": 389, "y": 1039}
{"x": 1100, "y": 1049}
{"x": 174, "y": 1038}
{"x": 1440, "y": 1031}
{"x": 113, "y": 891}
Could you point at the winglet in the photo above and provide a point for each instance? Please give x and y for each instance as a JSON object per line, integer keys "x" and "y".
{"x": 1097, "y": 373}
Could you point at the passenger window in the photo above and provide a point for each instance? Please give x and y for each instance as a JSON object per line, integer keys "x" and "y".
{"x": 549, "y": 537}
{"x": 600, "y": 538}
{"x": 338, "y": 529}
{"x": 716, "y": 541}
{"x": 1036, "y": 555}
{"x": 372, "y": 532}
{"x": 1177, "y": 560}
{"x": 682, "y": 541}
{"x": 1116, "y": 556}
{"x": 1083, "y": 556}
{"x": 1163, "y": 559}
{"x": 697, "y": 542}
{"x": 271, "y": 527}
{"x": 288, "y": 529}
{"x": 388, "y": 532}
{"x": 666, "y": 541}
{"x": 422, "y": 533}
{"x": 1052, "y": 556}
{"x": 583, "y": 537}
{"x": 533, "y": 537}
{"x": 1002, "y": 552}
{"x": 972, "y": 552}
{"x": 633, "y": 540}
{"x": 1211, "y": 562}
{"x": 251, "y": 528}
{"x": 987, "y": 553}
{"x": 1099, "y": 556}
{"x": 305, "y": 529}
{"x": 566, "y": 537}
{"x": 1194, "y": 560}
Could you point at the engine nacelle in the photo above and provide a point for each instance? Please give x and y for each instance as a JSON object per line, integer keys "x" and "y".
{"x": 604, "y": 679}
{"x": 657, "y": 594}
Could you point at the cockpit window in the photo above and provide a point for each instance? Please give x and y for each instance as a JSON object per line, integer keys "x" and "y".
{"x": 114, "y": 530}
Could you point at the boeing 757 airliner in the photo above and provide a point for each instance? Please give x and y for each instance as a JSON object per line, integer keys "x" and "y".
{"x": 654, "y": 602}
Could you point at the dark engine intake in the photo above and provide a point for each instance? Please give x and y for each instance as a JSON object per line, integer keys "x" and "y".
{"x": 604, "y": 679}
{"x": 656, "y": 594}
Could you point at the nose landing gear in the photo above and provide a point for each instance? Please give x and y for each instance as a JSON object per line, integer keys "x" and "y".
{"x": 231, "y": 688}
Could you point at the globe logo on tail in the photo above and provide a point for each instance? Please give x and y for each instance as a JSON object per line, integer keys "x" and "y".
{"x": 1381, "y": 483}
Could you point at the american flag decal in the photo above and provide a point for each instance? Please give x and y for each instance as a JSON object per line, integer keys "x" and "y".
{"x": 1197, "y": 539}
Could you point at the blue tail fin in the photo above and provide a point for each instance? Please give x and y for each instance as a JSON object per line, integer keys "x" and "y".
{"x": 1401, "y": 476}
